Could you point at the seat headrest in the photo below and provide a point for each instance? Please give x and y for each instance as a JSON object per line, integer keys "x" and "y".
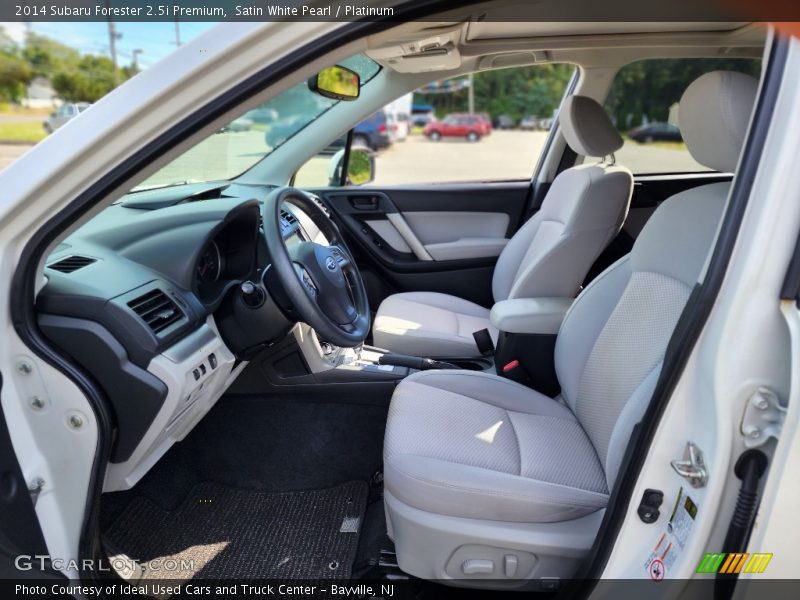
{"x": 713, "y": 114}
{"x": 587, "y": 128}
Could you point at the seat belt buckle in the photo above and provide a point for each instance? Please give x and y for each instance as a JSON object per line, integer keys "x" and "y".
{"x": 483, "y": 340}
{"x": 510, "y": 366}
{"x": 514, "y": 371}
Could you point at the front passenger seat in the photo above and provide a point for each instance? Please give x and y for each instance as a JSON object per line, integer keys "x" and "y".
{"x": 549, "y": 256}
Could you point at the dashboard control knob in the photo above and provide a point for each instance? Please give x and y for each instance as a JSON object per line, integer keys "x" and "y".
{"x": 252, "y": 295}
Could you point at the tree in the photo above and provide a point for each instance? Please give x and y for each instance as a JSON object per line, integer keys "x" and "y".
{"x": 644, "y": 91}
{"x": 7, "y": 44}
{"x": 15, "y": 74}
{"x": 517, "y": 92}
{"x": 91, "y": 79}
{"x": 47, "y": 56}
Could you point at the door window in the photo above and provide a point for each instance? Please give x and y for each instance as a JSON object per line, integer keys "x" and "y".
{"x": 643, "y": 104}
{"x": 447, "y": 144}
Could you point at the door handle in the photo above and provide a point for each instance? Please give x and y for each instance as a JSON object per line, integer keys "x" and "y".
{"x": 364, "y": 202}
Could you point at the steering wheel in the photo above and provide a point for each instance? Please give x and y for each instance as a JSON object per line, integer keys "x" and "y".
{"x": 321, "y": 282}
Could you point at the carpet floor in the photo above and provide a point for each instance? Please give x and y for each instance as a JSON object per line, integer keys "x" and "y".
{"x": 229, "y": 532}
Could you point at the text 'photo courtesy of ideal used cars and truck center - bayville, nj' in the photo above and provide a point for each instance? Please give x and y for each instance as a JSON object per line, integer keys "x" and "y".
{"x": 411, "y": 300}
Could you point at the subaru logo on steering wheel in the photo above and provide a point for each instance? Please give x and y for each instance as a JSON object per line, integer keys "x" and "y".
{"x": 330, "y": 263}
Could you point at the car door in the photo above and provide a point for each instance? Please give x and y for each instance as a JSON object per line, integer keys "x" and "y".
{"x": 439, "y": 238}
{"x": 21, "y": 536}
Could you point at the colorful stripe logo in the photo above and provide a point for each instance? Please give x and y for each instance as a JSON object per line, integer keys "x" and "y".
{"x": 732, "y": 563}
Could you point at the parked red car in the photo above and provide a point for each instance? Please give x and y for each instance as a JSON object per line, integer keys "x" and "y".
{"x": 471, "y": 127}
{"x": 488, "y": 120}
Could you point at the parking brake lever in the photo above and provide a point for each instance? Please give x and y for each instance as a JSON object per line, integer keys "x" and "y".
{"x": 414, "y": 362}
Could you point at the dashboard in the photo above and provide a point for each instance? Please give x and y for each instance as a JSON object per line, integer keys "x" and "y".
{"x": 140, "y": 297}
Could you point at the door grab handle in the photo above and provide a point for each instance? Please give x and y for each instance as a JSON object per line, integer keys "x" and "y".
{"x": 364, "y": 202}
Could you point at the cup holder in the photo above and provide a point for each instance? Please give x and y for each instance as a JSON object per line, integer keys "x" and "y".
{"x": 471, "y": 364}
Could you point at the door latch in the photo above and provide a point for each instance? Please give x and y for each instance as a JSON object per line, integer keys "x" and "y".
{"x": 763, "y": 418}
{"x": 692, "y": 466}
{"x": 35, "y": 489}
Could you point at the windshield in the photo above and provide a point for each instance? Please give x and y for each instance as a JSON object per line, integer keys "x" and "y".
{"x": 254, "y": 135}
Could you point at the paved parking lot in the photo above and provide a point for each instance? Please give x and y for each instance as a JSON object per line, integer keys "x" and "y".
{"x": 10, "y": 152}
{"x": 501, "y": 155}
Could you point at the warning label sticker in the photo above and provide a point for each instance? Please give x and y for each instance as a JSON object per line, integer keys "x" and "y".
{"x": 672, "y": 539}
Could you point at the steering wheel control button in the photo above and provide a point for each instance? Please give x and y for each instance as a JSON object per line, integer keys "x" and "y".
{"x": 478, "y": 566}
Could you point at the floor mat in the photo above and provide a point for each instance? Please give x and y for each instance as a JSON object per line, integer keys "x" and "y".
{"x": 234, "y": 533}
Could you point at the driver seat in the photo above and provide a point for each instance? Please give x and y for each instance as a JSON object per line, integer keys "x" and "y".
{"x": 549, "y": 256}
{"x": 488, "y": 479}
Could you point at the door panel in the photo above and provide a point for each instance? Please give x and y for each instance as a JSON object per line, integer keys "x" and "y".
{"x": 448, "y": 235}
{"x": 441, "y": 238}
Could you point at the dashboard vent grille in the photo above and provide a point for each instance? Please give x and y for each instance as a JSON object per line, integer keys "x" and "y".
{"x": 288, "y": 223}
{"x": 157, "y": 310}
{"x": 288, "y": 217}
{"x": 71, "y": 264}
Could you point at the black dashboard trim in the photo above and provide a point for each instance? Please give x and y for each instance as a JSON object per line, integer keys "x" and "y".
{"x": 136, "y": 395}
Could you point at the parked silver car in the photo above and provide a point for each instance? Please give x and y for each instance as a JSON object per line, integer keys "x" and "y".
{"x": 64, "y": 113}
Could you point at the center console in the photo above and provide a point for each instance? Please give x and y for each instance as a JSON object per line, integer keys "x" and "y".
{"x": 526, "y": 343}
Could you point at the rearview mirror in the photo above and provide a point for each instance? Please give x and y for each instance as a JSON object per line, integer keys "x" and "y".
{"x": 360, "y": 167}
{"x": 337, "y": 82}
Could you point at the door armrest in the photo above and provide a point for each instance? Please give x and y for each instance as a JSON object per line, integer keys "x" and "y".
{"x": 530, "y": 315}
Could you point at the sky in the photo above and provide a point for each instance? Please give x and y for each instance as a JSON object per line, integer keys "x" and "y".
{"x": 155, "y": 39}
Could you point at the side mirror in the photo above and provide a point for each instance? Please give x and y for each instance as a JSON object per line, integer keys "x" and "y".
{"x": 337, "y": 82}
{"x": 360, "y": 169}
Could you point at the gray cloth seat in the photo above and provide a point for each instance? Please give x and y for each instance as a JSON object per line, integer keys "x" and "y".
{"x": 549, "y": 256}
{"x": 430, "y": 324}
{"x": 485, "y": 450}
{"x": 473, "y": 449}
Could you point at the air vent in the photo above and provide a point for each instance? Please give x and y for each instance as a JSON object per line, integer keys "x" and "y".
{"x": 71, "y": 264}
{"x": 288, "y": 217}
{"x": 288, "y": 223}
{"x": 320, "y": 203}
{"x": 157, "y": 310}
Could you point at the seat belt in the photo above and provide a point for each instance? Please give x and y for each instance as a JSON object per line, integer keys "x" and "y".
{"x": 484, "y": 342}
